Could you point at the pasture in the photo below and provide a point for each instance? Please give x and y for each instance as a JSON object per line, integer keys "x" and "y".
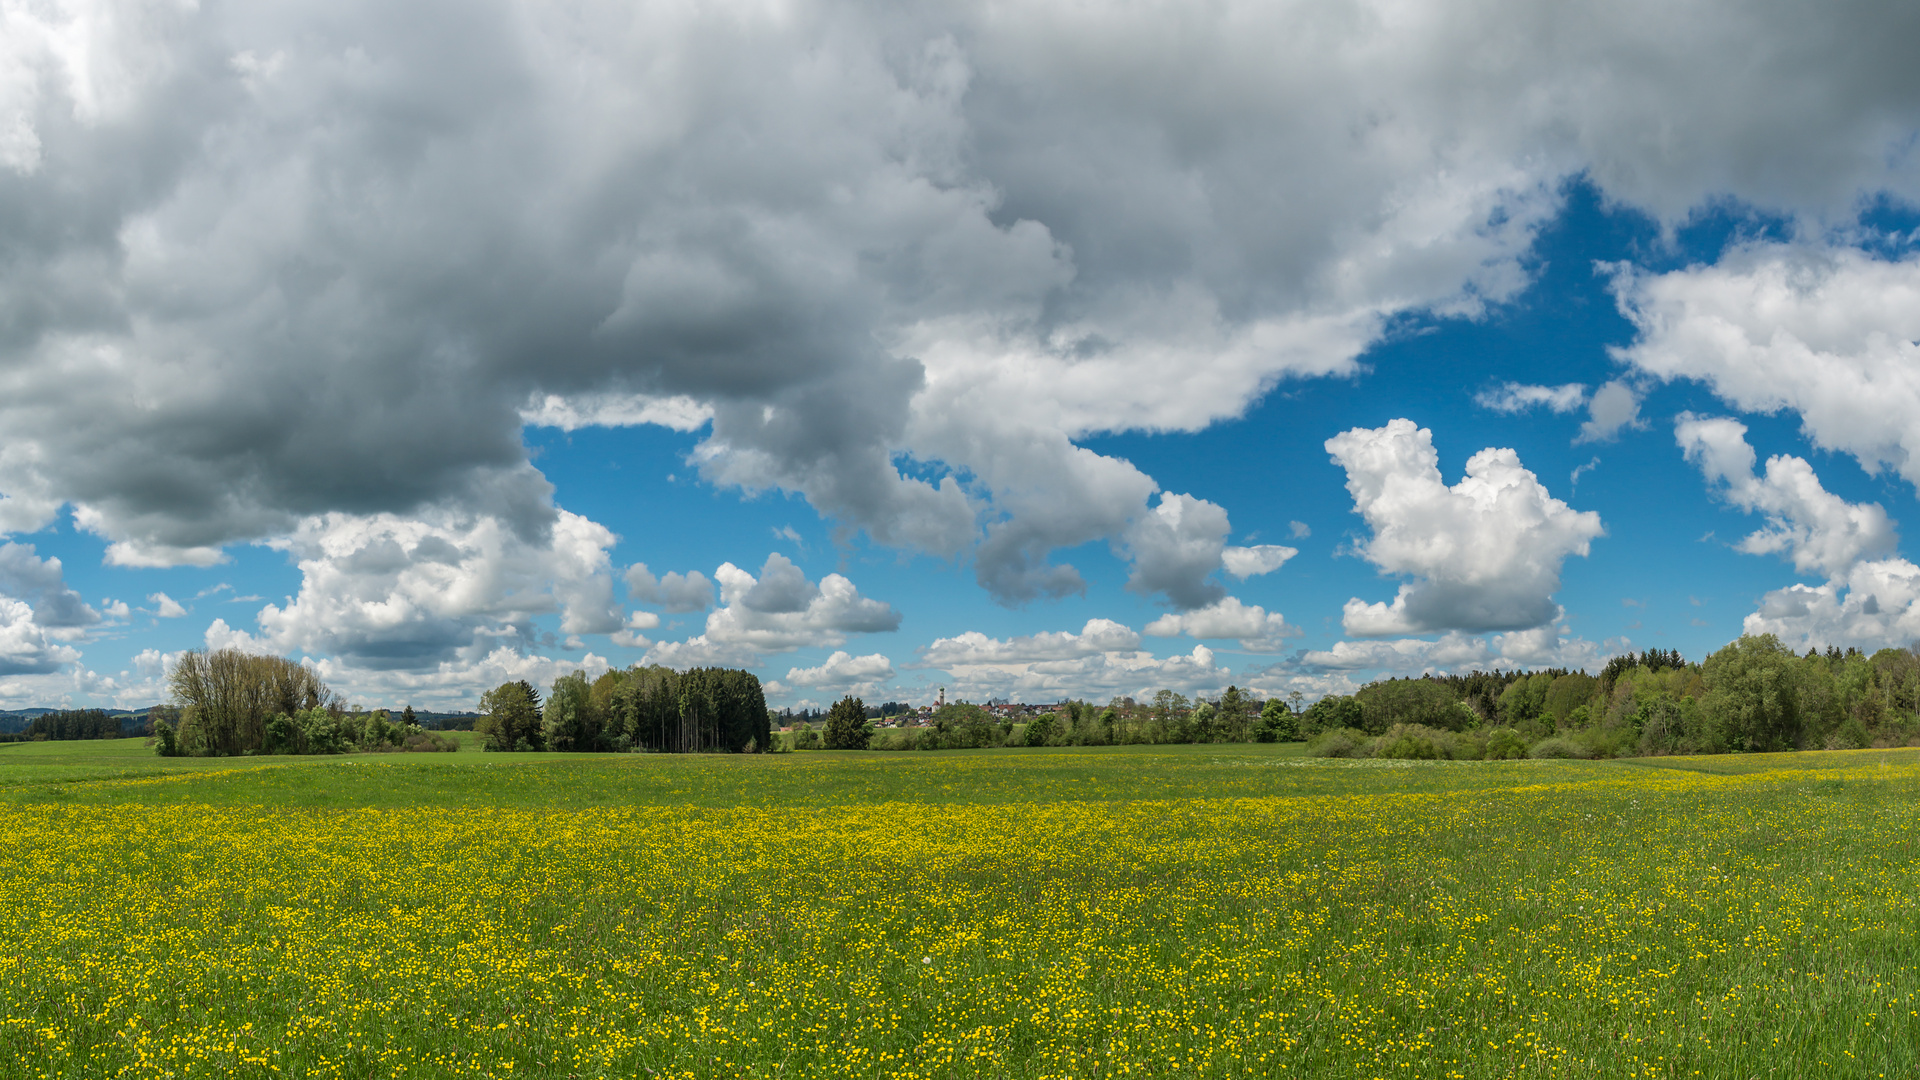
{"x": 1176, "y": 911}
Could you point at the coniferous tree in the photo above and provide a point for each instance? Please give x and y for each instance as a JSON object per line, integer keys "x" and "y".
{"x": 847, "y": 725}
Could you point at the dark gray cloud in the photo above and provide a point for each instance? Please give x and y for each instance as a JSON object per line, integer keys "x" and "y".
{"x": 261, "y": 263}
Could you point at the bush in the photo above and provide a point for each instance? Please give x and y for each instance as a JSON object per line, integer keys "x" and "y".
{"x": 1505, "y": 744}
{"x": 1339, "y": 743}
{"x": 895, "y": 739}
{"x": 1556, "y": 747}
{"x": 427, "y": 742}
{"x": 1040, "y": 730}
{"x": 1414, "y": 742}
{"x": 1470, "y": 745}
{"x": 1606, "y": 742}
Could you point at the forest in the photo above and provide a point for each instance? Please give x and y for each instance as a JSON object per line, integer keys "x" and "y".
{"x": 643, "y": 708}
{"x": 1753, "y": 695}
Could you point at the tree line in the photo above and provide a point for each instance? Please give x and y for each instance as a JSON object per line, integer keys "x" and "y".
{"x": 1170, "y": 718}
{"x": 702, "y": 710}
{"x": 67, "y": 725}
{"x": 229, "y": 702}
{"x": 1753, "y": 695}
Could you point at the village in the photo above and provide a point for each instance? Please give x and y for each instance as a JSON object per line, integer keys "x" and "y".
{"x": 900, "y": 714}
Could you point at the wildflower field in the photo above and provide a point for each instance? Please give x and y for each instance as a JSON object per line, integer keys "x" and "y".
{"x": 1129, "y": 911}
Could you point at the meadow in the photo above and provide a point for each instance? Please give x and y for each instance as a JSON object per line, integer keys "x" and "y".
{"x": 1169, "y": 911}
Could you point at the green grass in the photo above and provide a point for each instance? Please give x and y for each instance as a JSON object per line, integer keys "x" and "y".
{"x": 1154, "y": 911}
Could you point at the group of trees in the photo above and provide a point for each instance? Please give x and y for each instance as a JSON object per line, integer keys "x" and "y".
{"x": 1753, "y": 695}
{"x": 69, "y": 724}
{"x": 232, "y": 702}
{"x": 653, "y": 708}
{"x": 1171, "y": 718}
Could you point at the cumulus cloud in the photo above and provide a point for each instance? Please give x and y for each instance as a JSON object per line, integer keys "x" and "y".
{"x": 778, "y": 611}
{"x": 1873, "y": 605}
{"x": 1870, "y": 598}
{"x": 389, "y": 592}
{"x": 974, "y": 648}
{"x": 1256, "y": 628}
{"x": 1102, "y": 660}
{"x": 843, "y": 673}
{"x": 26, "y": 647}
{"x": 1817, "y": 529}
{"x": 41, "y": 584}
{"x": 1515, "y": 397}
{"x": 455, "y": 683}
{"x": 1549, "y": 645}
{"x": 673, "y": 592}
{"x": 1246, "y": 562}
{"x": 1485, "y": 554}
{"x": 164, "y": 606}
{"x": 1827, "y": 333}
{"x": 960, "y": 236}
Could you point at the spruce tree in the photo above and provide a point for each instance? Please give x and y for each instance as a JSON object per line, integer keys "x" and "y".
{"x": 847, "y": 725}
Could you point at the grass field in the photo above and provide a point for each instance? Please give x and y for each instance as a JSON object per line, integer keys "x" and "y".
{"x": 1164, "y": 911}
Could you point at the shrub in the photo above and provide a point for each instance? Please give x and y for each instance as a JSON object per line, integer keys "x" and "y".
{"x": 1606, "y": 742}
{"x": 1505, "y": 744}
{"x": 1850, "y": 735}
{"x": 1339, "y": 743}
{"x": 1414, "y": 742}
{"x": 1470, "y": 745}
{"x": 428, "y": 742}
{"x": 895, "y": 739}
{"x": 1556, "y": 747}
{"x": 1040, "y": 729}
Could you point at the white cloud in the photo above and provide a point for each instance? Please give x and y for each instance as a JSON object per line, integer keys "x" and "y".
{"x": 680, "y": 412}
{"x": 843, "y": 673}
{"x": 1817, "y": 529}
{"x": 1873, "y": 605}
{"x": 1300, "y": 529}
{"x": 973, "y": 647}
{"x": 675, "y": 592}
{"x": 1828, "y": 333}
{"x": 1103, "y": 660}
{"x": 116, "y": 609}
{"x": 1548, "y": 645}
{"x": 1256, "y": 628}
{"x": 390, "y": 592}
{"x": 1485, "y": 554}
{"x": 26, "y": 647}
{"x": 1246, "y": 562}
{"x": 1871, "y": 598}
{"x": 850, "y": 237}
{"x": 455, "y": 683}
{"x": 1515, "y": 397}
{"x": 776, "y": 612}
{"x": 164, "y": 606}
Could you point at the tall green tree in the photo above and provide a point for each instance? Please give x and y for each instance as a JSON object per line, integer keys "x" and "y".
{"x": 1277, "y": 723}
{"x": 510, "y": 718}
{"x": 227, "y": 696}
{"x": 1753, "y": 695}
{"x": 847, "y": 725}
{"x": 570, "y": 721}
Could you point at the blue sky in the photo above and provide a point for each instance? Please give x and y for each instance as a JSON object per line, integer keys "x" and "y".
{"x": 886, "y": 352}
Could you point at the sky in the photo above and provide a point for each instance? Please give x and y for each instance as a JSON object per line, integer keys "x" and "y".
{"x": 1029, "y": 351}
